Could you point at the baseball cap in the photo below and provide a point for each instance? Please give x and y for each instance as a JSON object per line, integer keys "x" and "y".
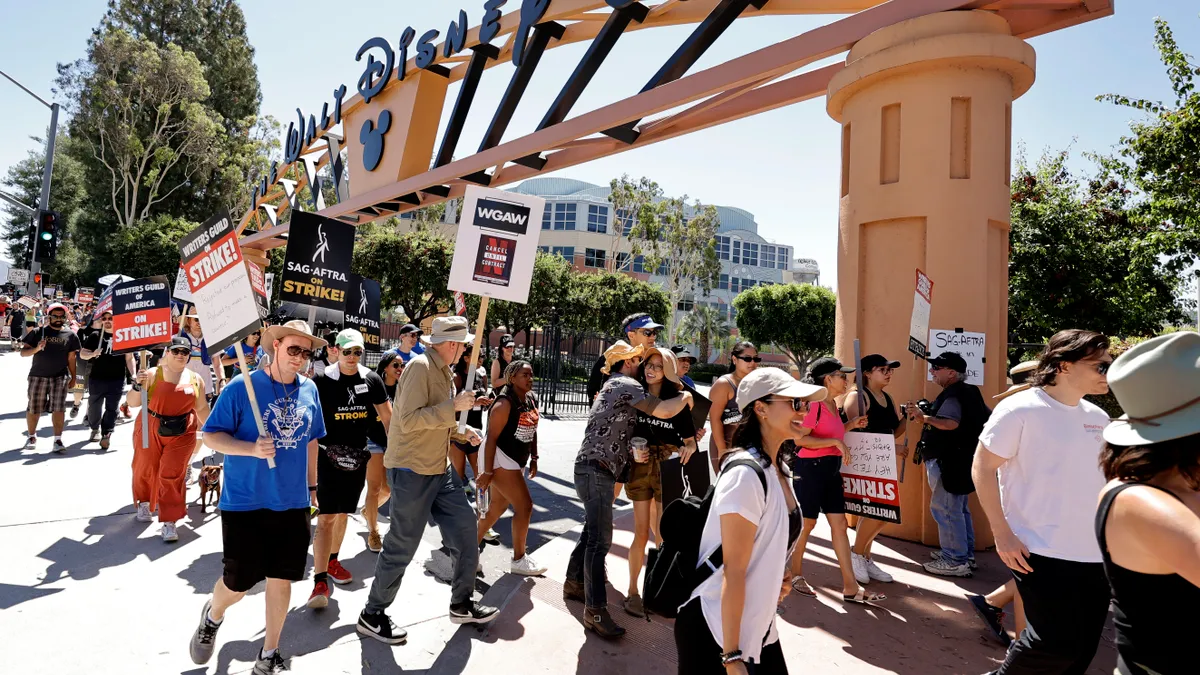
{"x": 952, "y": 360}
{"x": 682, "y": 352}
{"x": 877, "y": 361}
{"x": 827, "y": 366}
{"x": 764, "y": 382}
{"x": 506, "y": 340}
{"x": 642, "y": 322}
{"x": 57, "y": 305}
{"x": 409, "y": 328}
{"x": 350, "y": 338}
{"x": 180, "y": 341}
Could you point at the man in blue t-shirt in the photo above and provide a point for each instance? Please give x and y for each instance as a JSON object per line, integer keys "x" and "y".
{"x": 265, "y": 510}
{"x": 410, "y": 343}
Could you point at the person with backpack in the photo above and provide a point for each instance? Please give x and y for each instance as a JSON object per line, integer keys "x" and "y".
{"x": 1039, "y": 478}
{"x": 752, "y": 520}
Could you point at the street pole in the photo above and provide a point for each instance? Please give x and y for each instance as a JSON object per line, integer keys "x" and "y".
{"x": 47, "y": 171}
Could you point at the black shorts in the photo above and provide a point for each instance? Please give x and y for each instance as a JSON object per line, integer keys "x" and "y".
{"x": 465, "y": 448}
{"x": 264, "y": 544}
{"x": 338, "y": 490}
{"x": 819, "y": 485}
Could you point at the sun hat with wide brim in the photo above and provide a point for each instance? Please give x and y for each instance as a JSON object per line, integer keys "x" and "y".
{"x": 764, "y": 382}
{"x": 1157, "y": 383}
{"x": 295, "y": 327}
{"x": 1022, "y": 368}
{"x": 619, "y": 351}
{"x": 448, "y": 329}
{"x": 670, "y": 366}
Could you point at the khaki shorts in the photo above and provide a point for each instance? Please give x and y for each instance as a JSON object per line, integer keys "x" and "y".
{"x": 645, "y": 480}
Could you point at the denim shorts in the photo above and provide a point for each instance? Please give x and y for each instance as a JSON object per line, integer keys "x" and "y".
{"x": 375, "y": 447}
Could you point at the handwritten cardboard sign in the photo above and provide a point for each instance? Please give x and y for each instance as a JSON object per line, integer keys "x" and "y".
{"x": 869, "y": 483}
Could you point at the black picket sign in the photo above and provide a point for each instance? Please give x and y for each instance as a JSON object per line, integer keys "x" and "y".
{"x": 317, "y": 267}
{"x": 362, "y": 309}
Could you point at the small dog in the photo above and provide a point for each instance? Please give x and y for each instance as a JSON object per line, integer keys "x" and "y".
{"x": 210, "y": 485}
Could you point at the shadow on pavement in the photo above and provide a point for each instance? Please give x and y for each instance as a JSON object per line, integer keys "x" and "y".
{"x": 111, "y": 540}
{"x": 12, "y": 595}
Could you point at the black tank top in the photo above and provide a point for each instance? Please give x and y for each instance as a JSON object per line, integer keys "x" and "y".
{"x": 881, "y": 417}
{"x": 1154, "y": 613}
{"x": 731, "y": 415}
{"x": 516, "y": 439}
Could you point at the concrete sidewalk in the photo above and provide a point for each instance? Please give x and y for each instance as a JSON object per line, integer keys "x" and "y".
{"x": 86, "y": 589}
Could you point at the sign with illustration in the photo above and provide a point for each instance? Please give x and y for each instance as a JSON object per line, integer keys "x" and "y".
{"x": 362, "y": 310}
{"x": 317, "y": 267}
{"x": 496, "y": 244}
{"x": 869, "y": 484}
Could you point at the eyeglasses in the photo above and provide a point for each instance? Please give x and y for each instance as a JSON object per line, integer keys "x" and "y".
{"x": 353, "y": 352}
{"x": 798, "y": 404}
{"x": 180, "y": 351}
{"x": 750, "y": 359}
{"x": 886, "y": 370}
{"x": 58, "y": 316}
{"x": 649, "y": 332}
{"x": 653, "y": 366}
{"x": 1102, "y": 366}
{"x": 295, "y": 350}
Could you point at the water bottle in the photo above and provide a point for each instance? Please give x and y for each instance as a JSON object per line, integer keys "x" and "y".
{"x": 483, "y": 501}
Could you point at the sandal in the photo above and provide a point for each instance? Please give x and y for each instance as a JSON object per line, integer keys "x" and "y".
{"x": 801, "y": 586}
{"x": 864, "y": 597}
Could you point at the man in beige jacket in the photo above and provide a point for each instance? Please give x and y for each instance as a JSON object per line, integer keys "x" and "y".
{"x": 424, "y": 485}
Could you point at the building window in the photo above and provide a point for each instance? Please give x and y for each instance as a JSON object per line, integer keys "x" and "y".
{"x": 639, "y": 265}
{"x": 567, "y": 252}
{"x": 785, "y": 255}
{"x": 544, "y": 249}
{"x": 546, "y": 217}
{"x": 723, "y": 283}
{"x": 622, "y": 262}
{"x": 564, "y": 216}
{"x": 723, "y": 248}
{"x": 750, "y": 254}
{"x": 768, "y": 253}
{"x": 623, "y": 217}
{"x": 735, "y": 285}
{"x": 593, "y": 257}
{"x": 686, "y": 304}
{"x": 597, "y": 219}
{"x": 737, "y": 252}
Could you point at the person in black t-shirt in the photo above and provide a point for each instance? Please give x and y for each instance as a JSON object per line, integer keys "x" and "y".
{"x": 53, "y": 349}
{"x": 107, "y": 381}
{"x": 351, "y": 396}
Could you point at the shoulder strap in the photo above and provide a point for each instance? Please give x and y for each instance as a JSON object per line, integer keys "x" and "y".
{"x": 714, "y": 561}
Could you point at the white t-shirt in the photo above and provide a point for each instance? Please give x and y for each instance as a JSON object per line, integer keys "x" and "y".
{"x": 739, "y": 491}
{"x": 1052, "y": 479}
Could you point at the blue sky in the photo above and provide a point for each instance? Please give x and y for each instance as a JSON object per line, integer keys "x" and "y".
{"x": 781, "y": 165}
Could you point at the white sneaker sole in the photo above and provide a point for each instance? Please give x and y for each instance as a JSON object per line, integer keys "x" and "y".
{"x": 372, "y": 634}
{"x": 951, "y": 573}
{"x": 170, "y": 539}
{"x": 454, "y": 618}
{"x": 340, "y": 582}
{"x": 317, "y": 602}
{"x": 529, "y": 573}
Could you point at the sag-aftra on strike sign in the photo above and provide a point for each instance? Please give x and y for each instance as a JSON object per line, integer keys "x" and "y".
{"x": 318, "y": 260}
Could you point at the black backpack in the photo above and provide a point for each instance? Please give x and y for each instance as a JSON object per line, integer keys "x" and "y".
{"x": 673, "y": 570}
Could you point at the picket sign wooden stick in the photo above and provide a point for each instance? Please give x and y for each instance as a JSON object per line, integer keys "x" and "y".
{"x": 470, "y": 383}
{"x": 145, "y": 406}
{"x": 262, "y": 428}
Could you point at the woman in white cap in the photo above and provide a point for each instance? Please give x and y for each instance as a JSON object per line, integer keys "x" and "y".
{"x": 729, "y": 620}
{"x": 1148, "y": 522}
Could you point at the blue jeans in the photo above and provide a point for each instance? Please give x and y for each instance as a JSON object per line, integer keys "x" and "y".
{"x": 952, "y": 514}
{"x": 415, "y": 499}
{"x": 594, "y": 486}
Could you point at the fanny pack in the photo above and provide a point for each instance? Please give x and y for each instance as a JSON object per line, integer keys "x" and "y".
{"x": 171, "y": 425}
{"x": 345, "y": 457}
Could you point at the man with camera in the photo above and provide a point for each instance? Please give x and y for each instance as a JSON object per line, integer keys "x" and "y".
{"x": 951, "y": 429}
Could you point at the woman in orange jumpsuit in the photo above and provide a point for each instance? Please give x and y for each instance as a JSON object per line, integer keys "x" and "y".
{"x": 178, "y": 408}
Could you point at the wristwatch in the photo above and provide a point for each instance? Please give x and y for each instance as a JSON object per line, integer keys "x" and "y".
{"x": 730, "y": 657}
{"x": 312, "y": 488}
{"x": 137, "y": 386}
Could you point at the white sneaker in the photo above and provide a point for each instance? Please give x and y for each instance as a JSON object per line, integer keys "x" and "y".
{"x": 30, "y": 442}
{"x": 876, "y": 573}
{"x": 168, "y": 532}
{"x": 859, "y": 564}
{"x": 143, "y": 513}
{"x": 527, "y": 567}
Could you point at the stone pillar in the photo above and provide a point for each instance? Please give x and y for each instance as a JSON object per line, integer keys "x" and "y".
{"x": 926, "y": 114}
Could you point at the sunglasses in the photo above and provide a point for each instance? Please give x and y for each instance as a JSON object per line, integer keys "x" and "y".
{"x": 750, "y": 359}
{"x": 397, "y": 365}
{"x": 509, "y": 347}
{"x": 353, "y": 352}
{"x": 649, "y": 332}
{"x": 295, "y": 350}
{"x": 62, "y": 317}
{"x": 180, "y": 351}
{"x": 1103, "y": 366}
{"x": 798, "y": 404}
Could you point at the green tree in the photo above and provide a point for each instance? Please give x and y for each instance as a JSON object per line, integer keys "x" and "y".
{"x": 1083, "y": 257}
{"x": 24, "y": 181}
{"x": 704, "y": 325}
{"x": 547, "y": 292}
{"x": 150, "y": 247}
{"x": 598, "y": 302}
{"x": 680, "y": 244}
{"x": 798, "y": 319}
{"x": 634, "y": 204}
{"x": 412, "y": 269}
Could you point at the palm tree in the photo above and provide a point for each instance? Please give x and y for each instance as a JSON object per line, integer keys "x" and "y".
{"x": 705, "y": 325}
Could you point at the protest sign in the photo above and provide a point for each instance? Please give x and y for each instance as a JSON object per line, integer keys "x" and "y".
{"x": 496, "y": 243}
{"x": 318, "y": 261}
{"x": 181, "y": 292}
{"x": 104, "y": 303}
{"x": 27, "y": 302}
{"x": 211, "y": 260}
{"x": 681, "y": 480}
{"x": 969, "y": 345}
{"x": 918, "y": 327}
{"x": 141, "y": 314}
{"x": 84, "y": 295}
{"x": 869, "y": 485}
{"x": 362, "y": 310}
{"x": 18, "y": 277}
{"x": 258, "y": 283}
{"x": 48, "y": 291}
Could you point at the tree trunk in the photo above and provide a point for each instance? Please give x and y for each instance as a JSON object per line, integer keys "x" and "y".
{"x": 702, "y": 357}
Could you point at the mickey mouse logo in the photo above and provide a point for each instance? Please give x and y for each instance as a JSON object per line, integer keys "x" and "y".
{"x": 371, "y": 138}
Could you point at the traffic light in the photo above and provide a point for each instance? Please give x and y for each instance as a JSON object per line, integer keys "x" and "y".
{"x": 47, "y": 236}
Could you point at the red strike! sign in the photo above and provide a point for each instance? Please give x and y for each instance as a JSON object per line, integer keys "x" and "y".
{"x": 223, "y": 255}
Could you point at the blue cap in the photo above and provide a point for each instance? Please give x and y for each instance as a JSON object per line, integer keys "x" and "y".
{"x": 644, "y": 322}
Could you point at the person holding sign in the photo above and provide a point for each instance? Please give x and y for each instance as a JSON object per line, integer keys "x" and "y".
{"x": 818, "y": 472}
{"x": 52, "y": 372}
{"x": 351, "y": 397}
{"x": 107, "y": 382}
{"x": 883, "y": 417}
{"x": 177, "y": 408}
{"x": 265, "y": 511}
{"x": 251, "y": 348}
{"x": 425, "y": 485}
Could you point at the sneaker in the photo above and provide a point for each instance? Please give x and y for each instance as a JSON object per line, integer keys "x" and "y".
{"x": 472, "y": 612}
{"x": 859, "y": 564}
{"x": 205, "y": 637}
{"x": 380, "y": 627}
{"x": 938, "y": 555}
{"x": 339, "y": 574}
{"x": 95, "y": 436}
{"x": 876, "y": 573}
{"x": 374, "y": 542}
{"x": 30, "y": 442}
{"x": 74, "y": 411}
{"x": 945, "y": 568}
{"x": 527, "y": 567}
{"x": 490, "y": 536}
{"x": 105, "y": 441}
{"x": 269, "y": 665}
{"x": 992, "y": 616}
{"x": 169, "y": 533}
{"x": 320, "y": 596}
{"x": 59, "y": 448}
{"x": 187, "y": 477}
{"x": 143, "y": 513}
{"x": 87, "y": 422}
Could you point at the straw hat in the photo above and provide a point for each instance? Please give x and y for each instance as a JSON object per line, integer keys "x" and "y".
{"x": 620, "y": 351}
{"x": 1020, "y": 369}
{"x": 1157, "y": 383}
{"x": 670, "y": 365}
{"x": 295, "y": 327}
{"x": 448, "y": 329}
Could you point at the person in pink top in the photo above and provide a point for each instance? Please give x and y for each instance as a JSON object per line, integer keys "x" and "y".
{"x": 817, "y": 473}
